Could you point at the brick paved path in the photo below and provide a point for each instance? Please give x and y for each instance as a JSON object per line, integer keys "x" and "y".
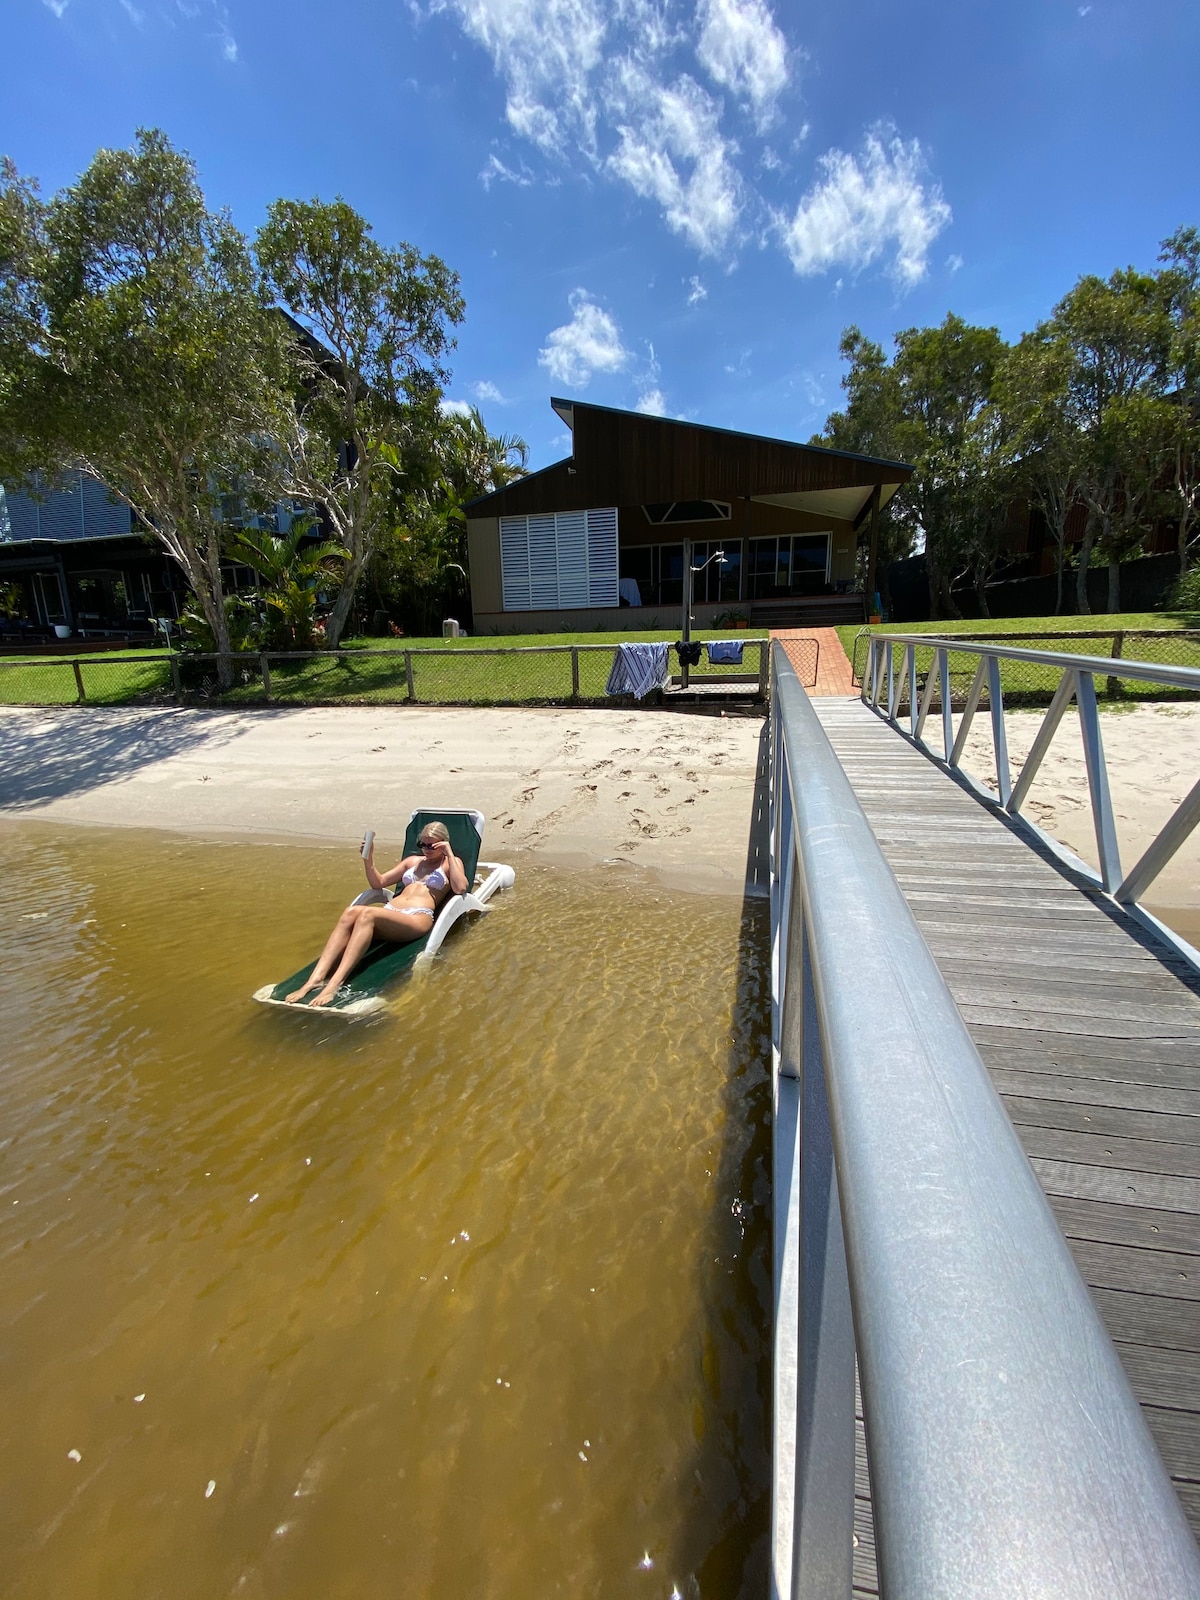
{"x": 834, "y": 674}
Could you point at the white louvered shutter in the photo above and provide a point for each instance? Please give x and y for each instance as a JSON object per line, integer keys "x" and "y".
{"x": 543, "y": 563}
{"x": 602, "y": 556}
{"x": 572, "y": 536}
{"x": 514, "y": 563}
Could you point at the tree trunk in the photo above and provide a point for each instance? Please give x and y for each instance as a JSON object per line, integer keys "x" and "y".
{"x": 981, "y": 593}
{"x": 336, "y": 622}
{"x": 1082, "y": 604}
{"x": 1114, "y": 584}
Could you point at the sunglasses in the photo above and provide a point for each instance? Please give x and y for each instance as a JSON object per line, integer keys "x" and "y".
{"x": 426, "y": 844}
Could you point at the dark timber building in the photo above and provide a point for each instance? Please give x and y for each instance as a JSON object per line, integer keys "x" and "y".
{"x": 597, "y": 540}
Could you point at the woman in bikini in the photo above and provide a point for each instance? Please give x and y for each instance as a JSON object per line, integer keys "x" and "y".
{"x": 425, "y": 879}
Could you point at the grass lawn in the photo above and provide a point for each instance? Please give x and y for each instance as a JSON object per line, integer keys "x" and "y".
{"x": 354, "y": 675}
{"x": 1026, "y": 682}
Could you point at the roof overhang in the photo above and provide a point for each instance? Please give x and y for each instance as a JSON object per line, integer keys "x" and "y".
{"x": 846, "y": 505}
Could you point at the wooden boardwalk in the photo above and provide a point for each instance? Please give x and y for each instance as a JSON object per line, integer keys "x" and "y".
{"x": 1091, "y": 1031}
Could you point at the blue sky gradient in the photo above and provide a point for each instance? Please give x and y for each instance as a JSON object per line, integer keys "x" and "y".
{"x": 673, "y": 206}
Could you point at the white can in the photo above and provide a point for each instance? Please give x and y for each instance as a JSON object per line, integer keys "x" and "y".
{"x": 368, "y": 841}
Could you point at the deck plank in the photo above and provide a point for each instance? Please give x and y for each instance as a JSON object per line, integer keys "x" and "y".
{"x": 1090, "y": 1028}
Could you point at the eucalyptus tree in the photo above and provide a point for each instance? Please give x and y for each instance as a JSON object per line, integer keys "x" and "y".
{"x": 22, "y": 256}
{"x": 161, "y": 368}
{"x": 1045, "y": 445}
{"x": 1180, "y": 282}
{"x": 374, "y": 328}
{"x": 1117, "y": 335}
{"x": 872, "y": 424}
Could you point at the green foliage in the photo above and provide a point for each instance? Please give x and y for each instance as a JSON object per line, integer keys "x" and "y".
{"x": 293, "y": 572}
{"x": 1185, "y": 593}
{"x": 12, "y": 601}
{"x": 373, "y": 329}
{"x": 196, "y": 633}
{"x": 159, "y": 369}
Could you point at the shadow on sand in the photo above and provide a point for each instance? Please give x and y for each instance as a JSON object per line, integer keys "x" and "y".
{"x": 48, "y": 755}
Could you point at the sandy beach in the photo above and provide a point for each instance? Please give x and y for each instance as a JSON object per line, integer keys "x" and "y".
{"x": 664, "y": 793}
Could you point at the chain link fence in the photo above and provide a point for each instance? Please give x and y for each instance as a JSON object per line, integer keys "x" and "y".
{"x": 1032, "y": 683}
{"x": 472, "y": 676}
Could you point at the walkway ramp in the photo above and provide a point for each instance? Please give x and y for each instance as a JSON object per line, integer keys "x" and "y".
{"x": 1090, "y": 1028}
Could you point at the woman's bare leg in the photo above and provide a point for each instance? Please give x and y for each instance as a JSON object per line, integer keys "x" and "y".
{"x": 401, "y": 927}
{"x": 334, "y": 946}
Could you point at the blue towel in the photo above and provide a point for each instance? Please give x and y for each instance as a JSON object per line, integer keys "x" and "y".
{"x": 637, "y": 669}
{"x": 725, "y": 651}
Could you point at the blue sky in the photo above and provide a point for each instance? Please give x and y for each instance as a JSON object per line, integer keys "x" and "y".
{"x": 676, "y": 206}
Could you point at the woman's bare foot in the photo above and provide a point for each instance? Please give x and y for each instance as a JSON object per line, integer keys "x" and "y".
{"x": 326, "y": 994}
{"x": 305, "y": 988}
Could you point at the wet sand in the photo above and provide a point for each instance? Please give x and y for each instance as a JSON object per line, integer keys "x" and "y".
{"x": 665, "y": 794}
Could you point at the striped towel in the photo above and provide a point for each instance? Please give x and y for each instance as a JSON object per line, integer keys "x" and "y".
{"x": 725, "y": 651}
{"x": 637, "y": 669}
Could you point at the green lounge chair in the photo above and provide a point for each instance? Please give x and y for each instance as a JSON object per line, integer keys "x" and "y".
{"x": 359, "y": 996}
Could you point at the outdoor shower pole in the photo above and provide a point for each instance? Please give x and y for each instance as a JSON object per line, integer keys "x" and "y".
{"x": 686, "y": 634}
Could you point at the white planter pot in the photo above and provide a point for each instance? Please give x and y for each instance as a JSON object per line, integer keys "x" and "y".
{"x": 62, "y": 630}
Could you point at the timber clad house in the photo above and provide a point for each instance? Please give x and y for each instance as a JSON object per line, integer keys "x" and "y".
{"x": 597, "y": 540}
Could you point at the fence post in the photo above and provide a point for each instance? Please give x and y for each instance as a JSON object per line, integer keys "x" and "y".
{"x": 764, "y": 661}
{"x": 265, "y": 669}
{"x": 1113, "y": 685}
{"x": 176, "y": 680}
{"x": 574, "y": 672}
{"x": 79, "y": 683}
{"x": 408, "y": 674}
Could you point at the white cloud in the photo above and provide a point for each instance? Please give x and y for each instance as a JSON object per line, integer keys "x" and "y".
{"x": 866, "y": 206}
{"x": 954, "y": 262}
{"x": 590, "y": 342}
{"x": 696, "y": 292}
{"x": 741, "y": 49}
{"x": 455, "y": 408}
{"x": 496, "y": 171}
{"x": 546, "y": 51}
{"x": 57, "y": 6}
{"x": 487, "y": 391}
{"x": 671, "y": 149}
{"x": 652, "y": 403}
{"x": 135, "y": 16}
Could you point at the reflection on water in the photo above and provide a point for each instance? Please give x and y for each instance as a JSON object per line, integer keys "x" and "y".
{"x": 470, "y": 1301}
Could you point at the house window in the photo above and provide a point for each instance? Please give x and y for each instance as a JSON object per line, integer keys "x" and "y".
{"x": 687, "y": 511}
{"x": 657, "y": 569}
{"x": 559, "y": 560}
{"x": 793, "y": 565}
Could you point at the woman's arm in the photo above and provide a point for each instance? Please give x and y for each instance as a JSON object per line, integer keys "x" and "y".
{"x": 456, "y": 876}
{"x": 387, "y": 879}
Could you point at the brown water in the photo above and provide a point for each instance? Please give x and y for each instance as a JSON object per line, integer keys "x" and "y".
{"x": 470, "y": 1301}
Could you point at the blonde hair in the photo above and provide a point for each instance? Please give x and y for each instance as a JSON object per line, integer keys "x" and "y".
{"x": 435, "y": 830}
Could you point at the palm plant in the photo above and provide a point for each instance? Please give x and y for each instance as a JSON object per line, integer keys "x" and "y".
{"x": 292, "y": 572}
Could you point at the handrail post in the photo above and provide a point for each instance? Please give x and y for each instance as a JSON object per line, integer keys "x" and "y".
{"x": 1097, "y": 774}
{"x": 943, "y": 657}
{"x": 890, "y": 657}
{"x": 910, "y": 667}
{"x": 999, "y": 735}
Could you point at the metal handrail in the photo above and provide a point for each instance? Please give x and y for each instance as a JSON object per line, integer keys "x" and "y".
{"x": 1008, "y": 1456}
{"x": 1078, "y": 683}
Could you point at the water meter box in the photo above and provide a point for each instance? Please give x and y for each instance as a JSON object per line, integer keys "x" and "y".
{"x": 450, "y": 629}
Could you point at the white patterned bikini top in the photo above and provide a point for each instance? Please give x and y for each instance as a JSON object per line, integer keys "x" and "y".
{"x": 436, "y": 880}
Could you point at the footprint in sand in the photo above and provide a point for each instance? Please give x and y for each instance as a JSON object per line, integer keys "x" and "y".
{"x": 677, "y": 833}
{"x": 692, "y": 777}
{"x": 597, "y": 766}
{"x": 662, "y": 790}
{"x": 528, "y": 794}
{"x": 625, "y": 772}
{"x": 624, "y": 794}
{"x": 585, "y": 789}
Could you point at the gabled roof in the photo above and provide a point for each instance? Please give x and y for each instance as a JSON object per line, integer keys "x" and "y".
{"x": 626, "y": 458}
